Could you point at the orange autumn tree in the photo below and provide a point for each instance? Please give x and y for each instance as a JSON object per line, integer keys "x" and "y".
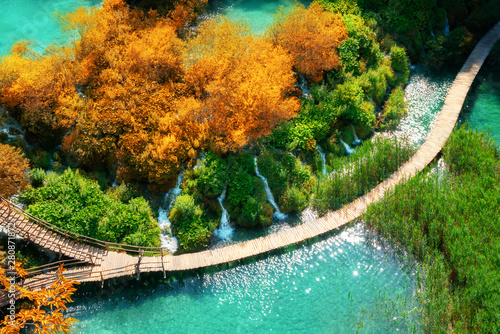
{"x": 14, "y": 168}
{"x": 38, "y": 318}
{"x": 241, "y": 83}
{"x": 312, "y": 36}
{"x": 179, "y": 12}
{"x": 39, "y": 90}
{"x": 134, "y": 79}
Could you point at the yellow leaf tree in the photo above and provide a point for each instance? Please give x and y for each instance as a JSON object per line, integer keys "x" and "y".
{"x": 242, "y": 83}
{"x": 312, "y": 36}
{"x": 14, "y": 170}
{"x": 40, "y": 320}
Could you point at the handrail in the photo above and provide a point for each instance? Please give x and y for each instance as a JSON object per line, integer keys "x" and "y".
{"x": 49, "y": 267}
{"x": 83, "y": 238}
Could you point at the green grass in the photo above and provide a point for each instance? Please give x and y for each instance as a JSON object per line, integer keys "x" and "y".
{"x": 451, "y": 223}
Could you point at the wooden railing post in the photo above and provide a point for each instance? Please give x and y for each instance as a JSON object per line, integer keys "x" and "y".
{"x": 162, "y": 265}
{"x": 138, "y": 270}
{"x": 90, "y": 256}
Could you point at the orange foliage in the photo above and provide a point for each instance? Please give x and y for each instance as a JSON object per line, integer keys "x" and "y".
{"x": 133, "y": 87}
{"x": 185, "y": 12}
{"x": 42, "y": 87}
{"x": 312, "y": 36}
{"x": 40, "y": 320}
{"x": 241, "y": 83}
{"x": 136, "y": 97}
{"x": 13, "y": 170}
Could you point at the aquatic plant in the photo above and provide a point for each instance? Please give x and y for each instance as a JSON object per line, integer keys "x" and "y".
{"x": 451, "y": 223}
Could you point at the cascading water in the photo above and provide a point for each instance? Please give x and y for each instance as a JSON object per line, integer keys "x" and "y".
{"x": 348, "y": 150}
{"x": 168, "y": 241}
{"x": 225, "y": 230}
{"x": 356, "y": 141}
{"x": 277, "y": 214}
{"x": 446, "y": 26}
{"x": 13, "y": 130}
{"x": 323, "y": 159}
{"x": 306, "y": 92}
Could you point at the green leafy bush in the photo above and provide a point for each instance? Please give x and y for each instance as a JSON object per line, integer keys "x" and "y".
{"x": 76, "y": 203}
{"x": 190, "y": 224}
{"x": 246, "y": 200}
{"x": 208, "y": 180}
{"x": 287, "y": 177}
{"x": 394, "y": 109}
{"x": 400, "y": 64}
{"x": 37, "y": 176}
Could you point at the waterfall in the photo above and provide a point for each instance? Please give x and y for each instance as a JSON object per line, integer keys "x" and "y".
{"x": 348, "y": 150}
{"x": 323, "y": 160}
{"x": 13, "y": 130}
{"x": 201, "y": 158}
{"x": 446, "y": 26}
{"x": 167, "y": 240}
{"x": 277, "y": 214}
{"x": 225, "y": 230}
{"x": 306, "y": 93}
{"x": 356, "y": 141}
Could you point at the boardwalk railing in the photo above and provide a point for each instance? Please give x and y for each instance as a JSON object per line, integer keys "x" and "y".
{"x": 110, "y": 246}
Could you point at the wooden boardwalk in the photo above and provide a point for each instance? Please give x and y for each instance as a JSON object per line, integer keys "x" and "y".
{"x": 111, "y": 264}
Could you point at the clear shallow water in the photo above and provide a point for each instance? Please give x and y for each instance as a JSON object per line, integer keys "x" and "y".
{"x": 258, "y": 14}
{"x": 345, "y": 282}
{"x": 32, "y": 20}
{"x": 425, "y": 94}
{"x": 482, "y": 108}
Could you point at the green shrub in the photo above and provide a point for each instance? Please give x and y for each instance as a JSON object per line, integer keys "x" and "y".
{"x": 294, "y": 200}
{"x": 374, "y": 85}
{"x": 349, "y": 55}
{"x": 37, "y": 177}
{"x": 400, "y": 64}
{"x": 283, "y": 172}
{"x": 39, "y": 158}
{"x": 246, "y": 200}
{"x": 394, "y": 110}
{"x": 191, "y": 226}
{"x": 209, "y": 179}
{"x": 76, "y": 203}
{"x": 313, "y": 124}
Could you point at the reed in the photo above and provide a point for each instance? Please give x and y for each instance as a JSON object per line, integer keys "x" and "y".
{"x": 450, "y": 221}
{"x": 354, "y": 176}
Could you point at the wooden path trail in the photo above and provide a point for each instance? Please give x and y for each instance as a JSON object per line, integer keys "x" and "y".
{"x": 100, "y": 262}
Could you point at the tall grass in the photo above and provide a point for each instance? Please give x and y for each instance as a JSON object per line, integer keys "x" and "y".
{"x": 452, "y": 226}
{"x": 357, "y": 174}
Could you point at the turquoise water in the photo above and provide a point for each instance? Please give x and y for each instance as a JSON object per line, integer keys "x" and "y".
{"x": 425, "y": 94}
{"x": 346, "y": 282}
{"x": 482, "y": 108}
{"x": 258, "y": 14}
{"x": 32, "y": 20}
